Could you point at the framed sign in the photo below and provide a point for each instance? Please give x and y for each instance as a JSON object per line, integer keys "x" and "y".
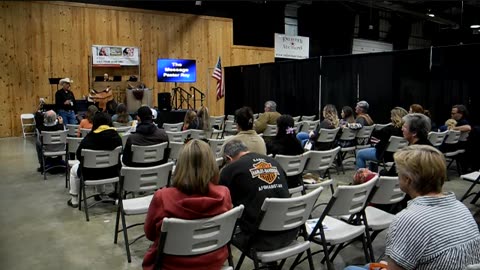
{"x": 115, "y": 55}
{"x": 293, "y": 47}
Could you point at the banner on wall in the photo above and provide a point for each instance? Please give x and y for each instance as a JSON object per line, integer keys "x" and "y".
{"x": 115, "y": 55}
{"x": 292, "y": 47}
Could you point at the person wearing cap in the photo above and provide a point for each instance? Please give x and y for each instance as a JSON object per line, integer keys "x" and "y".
{"x": 146, "y": 133}
{"x": 362, "y": 114}
{"x": 65, "y": 102}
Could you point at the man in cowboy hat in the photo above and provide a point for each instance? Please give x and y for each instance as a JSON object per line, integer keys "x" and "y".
{"x": 65, "y": 102}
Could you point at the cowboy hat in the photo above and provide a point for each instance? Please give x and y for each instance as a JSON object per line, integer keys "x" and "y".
{"x": 65, "y": 80}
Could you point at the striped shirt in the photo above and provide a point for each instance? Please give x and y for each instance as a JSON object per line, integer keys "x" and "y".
{"x": 434, "y": 233}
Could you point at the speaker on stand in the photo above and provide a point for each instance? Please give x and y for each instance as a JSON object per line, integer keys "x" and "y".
{"x": 164, "y": 102}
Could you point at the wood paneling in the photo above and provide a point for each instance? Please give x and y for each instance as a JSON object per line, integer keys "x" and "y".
{"x": 53, "y": 39}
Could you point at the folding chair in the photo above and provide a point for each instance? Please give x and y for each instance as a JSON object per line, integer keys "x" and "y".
{"x": 28, "y": 124}
{"x": 298, "y": 126}
{"x": 216, "y": 122}
{"x": 175, "y": 149}
{"x": 329, "y": 231}
{"x": 296, "y": 118}
{"x": 348, "y": 137}
{"x": 363, "y": 137}
{"x": 453, "y": 137}
{"x": 277, "y": 215}
{"x": 293, "y": 165}
{"x": 84, "y": 132}
{"x": 319, "y": 161}
{"x": 198, "y": 134}
{"x": 72, "y": 146}
{"x": 308, "y": 117}
{"x": 72, "y": 130}
{"x": 178, "y": 136}
{"x": 326, "y": 137}
{"x": 173, "y": 127}
{"x": 230, "y": 128}
{"x": 54, "y": 144}
{"x": 123, "y": 129}
{"x": 395, "y": 143}
{"x": 473, "y": 177}
{"x": 149, "y": 153}
{"x": 230, "y": 117}
{"x": 308, "y": 125}
{"x": 180, "y": 237}
{"x": 437, "y": 138}
{"x": 380, "y": 126}
{"x": 270, "y": 131}
{"x": 216, "y": 146}
{"x": 124, "y": 137}
{"x": 134, "y": 180}
{"x": 95, "y": 159}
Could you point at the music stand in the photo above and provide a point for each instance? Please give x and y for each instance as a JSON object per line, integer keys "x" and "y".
{"x": 53, "y": 81}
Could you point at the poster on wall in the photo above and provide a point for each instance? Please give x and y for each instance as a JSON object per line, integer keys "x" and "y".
{"x": 115, "y": 55}
{"x": 292, "y": 47}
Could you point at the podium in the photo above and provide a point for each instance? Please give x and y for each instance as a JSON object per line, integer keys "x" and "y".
{"x": 133, "y": 103}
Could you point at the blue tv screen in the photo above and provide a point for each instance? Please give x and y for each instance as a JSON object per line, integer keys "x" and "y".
{"x": 176, "y": 70}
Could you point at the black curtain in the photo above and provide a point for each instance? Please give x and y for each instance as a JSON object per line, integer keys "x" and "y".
{"x": 293, "y": 85}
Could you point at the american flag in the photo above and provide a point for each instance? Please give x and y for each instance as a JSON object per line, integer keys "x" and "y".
{"x": 218, "y": 75}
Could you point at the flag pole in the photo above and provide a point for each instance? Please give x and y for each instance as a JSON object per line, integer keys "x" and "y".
{"x": 209, "y": 72}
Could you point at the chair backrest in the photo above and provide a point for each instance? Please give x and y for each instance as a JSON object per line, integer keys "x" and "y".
{"x": 217, "y": 121}
{"x": 136, "y": 179}
{"x": 197, "y": 134}
{"x": 173, "y": 127}
{"x": 216, "y": 146}
{"x": 123, "y": 129}
{"x": 148, "y": 153}
{"x": 437, "y": 138}
{"x": 308, "y": 117}
{"x": 26, "y": 117}
{"x": 365, "y": 132}
{"x": 351, "y": 199}
{"x": 453, "y": 136}
{"x": 54, "y": 141}
{"x": 230, "y": 117}
{"x": 327, "y": 135}
{"x": 230, "y": 126}
{"x": 100, "y": 158}
{"x": 298, "y": 126}
{"x": 380, "y": 126}
{"x": 175, "y": 149}
{"x": 281, "y": 214}
{"x": 182, "y": 237}
{"x": 270, "y": 131}
{"x": 321, "y": 160}
{"x": 296, "y": 118}
{"x": 72, "y": 130}
{"x": 396, "y": 143}
{"x": 387, "y": 191}
{"x": 73, "y": 143}
{"x": 118, "y": 124}
{"x": 219, "y": 161}
{"x": 292, "y": 165}
{"x": 256, "y": 115}
{"x": 124, "y": 137}
{"x": 463, "y": 136}
{"x": 348, "y": 134}
{"x": 178, "y": 136}
{"x": 84, "y": 131}
{"x": 309, "y": 125}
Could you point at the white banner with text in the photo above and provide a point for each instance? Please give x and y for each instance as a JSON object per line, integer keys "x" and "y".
{"x": 115, "y": 55}
{"x": 293, "y": 47}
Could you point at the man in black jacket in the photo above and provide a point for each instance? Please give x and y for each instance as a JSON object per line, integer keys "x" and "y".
{"x": 146, "y": 133}
{"x": 102, "y": 137}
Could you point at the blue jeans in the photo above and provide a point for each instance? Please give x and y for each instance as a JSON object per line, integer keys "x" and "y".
{"x": 357, "y": 267}
{"x": 68, "y": 117}
{"x": 303, "y": 138}
{"x": 364, "y": 155}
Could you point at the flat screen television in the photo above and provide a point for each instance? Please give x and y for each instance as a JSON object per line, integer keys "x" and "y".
{"x": 176, "y": 70}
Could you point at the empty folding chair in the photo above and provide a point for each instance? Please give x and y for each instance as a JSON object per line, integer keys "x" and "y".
{"x": 216, "y": 146}
{"x": 230, "y": 128}
{"x": 72, "y": 130}
{"x": 347, "y": 142}
{"x": 296, "y": 118}
{"x": 474, "y": 178}
{"x": 308, "y": 117}
{"x": 28, "y": 124}
{"x": 293, "y": 165}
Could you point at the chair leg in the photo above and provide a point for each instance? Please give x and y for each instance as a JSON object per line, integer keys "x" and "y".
{"x": 44, "y": 168}
{"x": 85, "y": 202}
{"x": 230, "y": 257}
{"x": 66, "y": 171}
{"x": 117, "y": 219}
{"x": 125, "y": 237}
{"x": 240, "y": 261}
{"x": 365, "y": 249}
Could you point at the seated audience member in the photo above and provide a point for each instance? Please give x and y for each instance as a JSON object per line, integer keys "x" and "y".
{"x": 154, "y": 114}
{"x": 362, "y": 114}
{"x": 51, "y": 122}
{"x": 102, "y": 137}
{"x": 203, "y": 119}
{"x": 146, "y": 133}
{"x": 194, "y": 194}
{"x": 433, "y": 125}
{"x": 347, "y": 116}
{"x": 459, "y": 114}
{"x": 416, "y": 128}
{"x": 87, "y": 122}
{"x": 330, "y": 121}
{"x": 246, "y": 134}
{"x": 249, "y": 185}
{"x": 435, "y": 231}
{"x": 383, "y": 135}
{"x": 121, "y": 115}
{"x": 269, "y": 117}
{"x": 190, "y": 121}
{"x": 416, "y": 108}
{"x": 285, "y": 143}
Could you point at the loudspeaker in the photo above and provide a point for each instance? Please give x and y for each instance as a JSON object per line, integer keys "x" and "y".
{"x": 164, "y": 102}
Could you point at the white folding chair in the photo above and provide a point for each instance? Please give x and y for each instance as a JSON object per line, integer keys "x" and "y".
{"x": 329, "y": 231}
{"x": 124, "y": 137}
{"x": 292, "y": 165}
{"x": 96, "y": 159}
{"x": 230, "y": 128}
{"x": 72, "y": 130}
{"x": 321, "y": 161}
{"x": 72, "y": 146}
{"x": 296, "y": 118}
{"x": 395, "y": 143}
{"x": 123, "y": 129}
{"x": 347, "y": 138}
{"x": 54, "y": 144}
{"x": 452, "y": 139}
{"x": 474, "y": 178}
{"x": 230, "y": 117}
{"x": 308, "y": 117}
{"x": 363, "y": 137}
{"x": 217, "y": 121}
{"x": 380, "y": 126}
{"x": 28, "y": 124}
{"x": 216, "y": 146}
{"x": 175, "y": 149}
{"x": 298, "y": 126}
{"x": 437, "y": 138}
{"x": 270, "y": 131}
{"x": 149, "y": 153}
{"x": 180, "y": 237}
{"x": 173, "y": 127}
{"x": 84, "y": 132}
{"x": 135, "y": 180}
{"x": 327, "y": 137}
{"x": 256, "y": 115}
{"x": 178, "y": 136}
{"x": 198, "y": 134}
{"x": 309, "y": 125}
{"x": 282, "y": 214}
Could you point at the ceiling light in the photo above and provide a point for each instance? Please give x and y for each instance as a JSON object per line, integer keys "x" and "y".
{"x": 475, "y": 26}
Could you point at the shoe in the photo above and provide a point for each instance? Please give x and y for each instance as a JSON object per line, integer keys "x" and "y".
{"x": 73, "y": 205}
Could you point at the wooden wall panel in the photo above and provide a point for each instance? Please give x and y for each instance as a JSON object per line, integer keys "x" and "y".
{"x": 53, "y": 39}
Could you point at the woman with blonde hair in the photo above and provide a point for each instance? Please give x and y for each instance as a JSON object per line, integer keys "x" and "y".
{"x": 190, "y": 121}
{"x": 383, "y": 135}
{"x": 194, "y": 194}
{"x": 330, "y": 121}
{"x": 203, "y": 119}
{"x": 87, "y": 122}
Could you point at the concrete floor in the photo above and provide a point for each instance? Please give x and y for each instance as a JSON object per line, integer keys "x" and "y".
{"x": 39, "y": 231}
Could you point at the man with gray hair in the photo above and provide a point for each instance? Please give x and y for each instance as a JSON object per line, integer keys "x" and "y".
{"x": 362, "y": 114}
{"x": 252, "y": 177}
{"x": 269, "y": 117}
{"x": 50, "y": 123}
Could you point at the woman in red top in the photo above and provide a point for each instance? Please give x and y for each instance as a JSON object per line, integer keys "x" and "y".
{"x": 87, "y": 122}
{"x": 194, "y": 194}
